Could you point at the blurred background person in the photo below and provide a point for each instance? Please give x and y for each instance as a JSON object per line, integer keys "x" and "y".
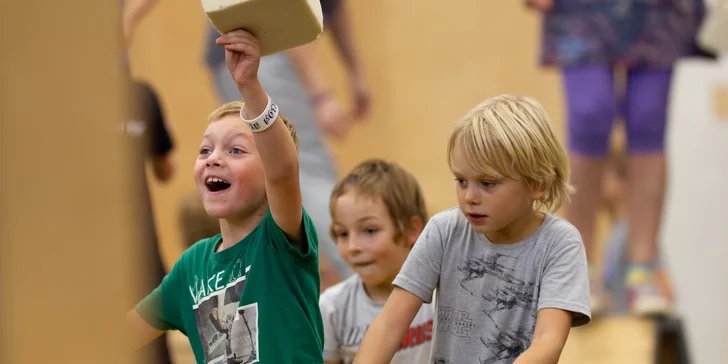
{"x": 150, "y": 141}
{"x": 148, "y": 133}
{"x": 615, "y": 257}
{"x": 589, "y": 41}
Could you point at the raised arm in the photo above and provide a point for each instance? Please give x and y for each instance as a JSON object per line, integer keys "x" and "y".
{"x": 384, "y": 336}
{"x": 274, "y": 143}
{"x": 341, "y": 31}
{"x": 308, "y": 69}
{"x": 132, "y": 13}
{"x": 330, "y": 116}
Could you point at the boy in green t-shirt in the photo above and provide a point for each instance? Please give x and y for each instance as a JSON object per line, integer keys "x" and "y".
{"x": 249, "y": 294}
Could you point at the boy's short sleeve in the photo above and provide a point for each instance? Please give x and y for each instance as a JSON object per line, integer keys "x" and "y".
{"x": 282, "y": 244}
{"x": 161, "y": 308}
{"x": 565, "y": 280}
{"x": 420, "y": 273}
{"x": 331, "y": 342}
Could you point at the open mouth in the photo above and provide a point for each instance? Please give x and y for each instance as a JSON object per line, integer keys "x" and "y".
{"x": 477, "y": 217}
{"x": 215, "y": 184}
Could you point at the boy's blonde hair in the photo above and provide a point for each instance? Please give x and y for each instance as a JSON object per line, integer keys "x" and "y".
{"x": 510, "y": 136}
{"x": 398, "y": 189}
{"x": 234, "y": 108}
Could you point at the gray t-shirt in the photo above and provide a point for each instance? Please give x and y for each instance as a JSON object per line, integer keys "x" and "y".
{"x": 348, "y": 311}
{"x": 488, "y": 295}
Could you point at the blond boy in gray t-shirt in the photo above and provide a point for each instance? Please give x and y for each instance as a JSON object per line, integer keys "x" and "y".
{"x": 378, "y": 213}
{"x": 511, "y": 280}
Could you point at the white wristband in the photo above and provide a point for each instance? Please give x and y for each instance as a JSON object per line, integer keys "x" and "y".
{"x": 264, "y": 120}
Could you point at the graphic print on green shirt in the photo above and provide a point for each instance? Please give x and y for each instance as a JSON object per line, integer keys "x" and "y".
{"x": 255, "y": 302}
{"x": 229, "y": 333}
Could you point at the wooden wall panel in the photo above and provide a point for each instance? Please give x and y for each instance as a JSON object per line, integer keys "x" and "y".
{"x": 65, "y": 257}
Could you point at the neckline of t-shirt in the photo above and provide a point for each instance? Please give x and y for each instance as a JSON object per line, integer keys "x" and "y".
{"x": 230, "y": 252}
{"x": 369, "y": 300}
{"x": 234, "y": 250}
{"x": 546, "y": 220}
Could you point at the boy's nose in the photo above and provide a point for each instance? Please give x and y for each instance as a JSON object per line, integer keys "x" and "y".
{"x": 471, "y": 196}
{"x": 215, "y": 161}
{"x": 353, "y": 246}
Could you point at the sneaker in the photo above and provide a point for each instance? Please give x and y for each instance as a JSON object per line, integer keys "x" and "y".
{"x": 644, "y": 295}
{"x": 647, "y": 300}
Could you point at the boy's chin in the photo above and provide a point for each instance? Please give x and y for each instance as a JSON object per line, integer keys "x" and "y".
{"x": 370, "y": 278}
{"x": 482, "y": 229}
{"x": 223, "y": 212}
{"x": 218, "y": 212}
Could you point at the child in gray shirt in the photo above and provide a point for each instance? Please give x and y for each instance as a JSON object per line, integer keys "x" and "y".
{"x": 378, "y": 213}
{"x": 509, "y": 280}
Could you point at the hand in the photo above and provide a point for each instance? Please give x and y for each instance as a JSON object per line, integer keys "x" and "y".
{"x": 242, "y": 56}
{"x": 331, "y": 117}
{"x": 361, "y": 96}
{"x": 541, "y": 5}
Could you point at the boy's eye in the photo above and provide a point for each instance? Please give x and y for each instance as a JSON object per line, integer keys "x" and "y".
{"x": 236, "y": 151}
{"x": 487, "y": 184}
{"x": 461, "y": 181}
{"x": 371, "y": 230}
{"x": 342, "y": 234}
{"x": 205, "y": 150}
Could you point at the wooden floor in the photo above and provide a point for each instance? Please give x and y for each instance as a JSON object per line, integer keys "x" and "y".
{"x": 617, "y": 340}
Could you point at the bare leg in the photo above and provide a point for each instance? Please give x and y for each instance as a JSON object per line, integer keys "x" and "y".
{"x": 646, "y": 194}
{"x": 586, "y": 174}
{"x": 645, "y": 280}
{"x": 645, "y": 120}
{"x": 591, "y": 106}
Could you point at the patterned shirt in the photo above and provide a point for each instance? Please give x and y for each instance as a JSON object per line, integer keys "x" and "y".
{"x": 652, "y": 33}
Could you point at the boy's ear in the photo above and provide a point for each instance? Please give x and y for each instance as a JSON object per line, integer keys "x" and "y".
{"x": 539, "y": 191}
{"x": 415, "y": 229}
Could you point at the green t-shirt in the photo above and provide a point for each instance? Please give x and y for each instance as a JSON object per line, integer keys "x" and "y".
{"x": 255, "y": 302}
